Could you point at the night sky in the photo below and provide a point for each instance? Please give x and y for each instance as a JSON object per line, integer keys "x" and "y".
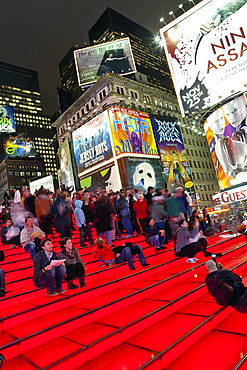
{"x": 36, "y": 34}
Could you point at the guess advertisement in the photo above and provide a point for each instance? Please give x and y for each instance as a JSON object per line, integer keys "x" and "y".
{"x": 206, "y": 48}
{"x": 230, "y": 196}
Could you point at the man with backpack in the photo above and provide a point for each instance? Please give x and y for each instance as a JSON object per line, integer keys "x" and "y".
{"x": 226, "y": 287}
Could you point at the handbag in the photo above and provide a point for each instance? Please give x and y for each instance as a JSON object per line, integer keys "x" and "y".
{"x": 12, "y": 232}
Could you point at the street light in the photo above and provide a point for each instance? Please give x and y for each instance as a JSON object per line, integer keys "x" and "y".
{"x": 172, "y": 14}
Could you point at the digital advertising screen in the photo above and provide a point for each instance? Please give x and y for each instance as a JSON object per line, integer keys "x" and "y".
{"x": 114, "y": 56}
{"x": 206, "y": 49}
{"x": 92, "y": 143}
{"x": 226, "y": 133}
{"x": 172, "y": 152}
{"x": 140, "y": 173}
{"x": 132, "y": 131}
{"x": 66, "y": 169}
{"x": 102, "y": 179}
{"x": 46, "y": 182}
{"x": 7, "y": 119}
{"x": 19, "y": 146}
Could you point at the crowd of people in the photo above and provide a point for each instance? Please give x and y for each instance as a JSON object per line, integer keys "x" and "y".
{"x": 101, "y": 218}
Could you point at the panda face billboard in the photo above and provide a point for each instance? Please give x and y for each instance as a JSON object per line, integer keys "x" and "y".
{"x": 140, "y": 173}
{"x": 206, "y": 49}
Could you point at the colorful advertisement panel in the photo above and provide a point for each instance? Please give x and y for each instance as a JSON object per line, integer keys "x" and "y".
{"x": 94, "y": 61}
{"x": 233, "y": 195}
{"x": 102, "y": 179}
{"x": 132, "y": 131}
{"x": 46, "y": 182}
{"x": 7, "y": 119}
{"x": 226, "y": 133}
{"x": 140, "y": 173}
{"x": 206, "y": 48}
{"x": 66, "y": 170}
{"x": 19, "y": 146}
{"x": 91, "y": 142}
{"x": 172, "y": 152}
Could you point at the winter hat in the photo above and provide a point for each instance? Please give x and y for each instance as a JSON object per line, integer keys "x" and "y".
{"x": 211, "y": 266}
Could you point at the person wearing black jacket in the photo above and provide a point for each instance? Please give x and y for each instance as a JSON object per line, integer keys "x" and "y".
{"x": 89, "y": 216}
{"x": 239, "y": 298}
{"x": 45, "y": 272}
{"x": 127, "y": 253}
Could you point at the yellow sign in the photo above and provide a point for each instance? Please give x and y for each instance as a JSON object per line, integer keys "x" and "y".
{"x": 189, "y": 184}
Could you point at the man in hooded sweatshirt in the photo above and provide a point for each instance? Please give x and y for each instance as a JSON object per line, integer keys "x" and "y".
{"x": 80, "y": 220}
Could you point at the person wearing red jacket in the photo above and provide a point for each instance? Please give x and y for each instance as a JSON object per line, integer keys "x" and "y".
{"x": 142, "y": 211}
{"x": 104, "y": 253}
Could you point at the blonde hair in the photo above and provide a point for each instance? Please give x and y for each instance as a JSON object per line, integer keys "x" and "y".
{"x": 99, "y": 241}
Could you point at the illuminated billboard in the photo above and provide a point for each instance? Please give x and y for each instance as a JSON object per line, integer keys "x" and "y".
{"x": 102, "y": 179}
{"x": 92, "y": 143}
{"x": 94, "y": 61}
{"x": 7, "y": 120}
{"x": 19, "y": 146}
{"x": 206, "y": 48}
{"x": 66, "y": 170}
{"x": 132, "y": 131}
{"x": 46, "y": 182}
{"x": 226, "y": 133}
{"x": 140, "y": 173}
{"x": 172, "y": 152}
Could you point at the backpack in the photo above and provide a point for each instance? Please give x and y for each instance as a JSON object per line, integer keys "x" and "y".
{"x": 219, "y": 289}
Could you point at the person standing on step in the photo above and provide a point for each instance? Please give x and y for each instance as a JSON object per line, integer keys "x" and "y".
{"x": 48, "y": 271}
{"x": 73, "y": 263}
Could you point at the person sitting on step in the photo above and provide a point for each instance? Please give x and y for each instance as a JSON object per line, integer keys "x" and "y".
{"x": 104, "y": 253}
{"x": 48, "y": 271}
{"x": 73, "y": 263}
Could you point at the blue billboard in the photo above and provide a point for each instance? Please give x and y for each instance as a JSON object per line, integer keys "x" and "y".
{"x": 7, "y": 120}
{"x": 91, "y": 142}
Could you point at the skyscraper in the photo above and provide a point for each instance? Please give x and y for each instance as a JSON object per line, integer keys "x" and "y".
{"x": 19, "y": 89}
{"x": 149, "y": 58}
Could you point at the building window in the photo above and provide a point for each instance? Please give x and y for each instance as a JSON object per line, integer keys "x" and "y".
{"x": 87, "y": 107}
{"x": 133, "y": 94}
{"x": 92, "y": 103}
{"x": 16, "y": 173}
{"x": 22, "y": 173}
{"x": 119, "y": 90}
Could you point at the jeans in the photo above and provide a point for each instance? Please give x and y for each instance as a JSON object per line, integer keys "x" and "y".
{"x": 128, "y": 257}
{"x": 53, "y": 278}
{"x": 30, "y": 248}
{"x": 127, "y": 225}
{"x": 108, "y": 235}
{"x": 82, "y": 236}
{"x": 2, "y": 279}
{"x": 89, "y": 234}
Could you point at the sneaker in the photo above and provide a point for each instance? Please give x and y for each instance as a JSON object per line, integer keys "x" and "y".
{"x": 159, "y": 249}
{"x": 196, "y": 259}
{"x": 103, "y": 265}
{"x": 146, "y": 264}
{"x": 2, "y": 292}
{"x": 216, "y": 255}
{"x": 191, "y": 260}
{"x": 112, "y": 264}
{"x": 162, "y": 247}
{"x": 51, "y": 294}
{"x": 61, "y": 291}
{"x": 132, "y": 268}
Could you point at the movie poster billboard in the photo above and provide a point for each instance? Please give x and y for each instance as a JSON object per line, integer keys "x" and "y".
{"x": 7, "y": 119}
{"x": 132, "y": 131}
{"x": 46, "y": 182}
{"x": 226, "y": 133}
{"x": 206, "y": 48}
{"x": 102, "y": 179}
{"x": 172, "y": 152}
{"x": 140, "y": 173}
{"x": 91, "y": 142}
{"x": 66, "y": 169}
{"x": 19, "y": 146}
{"x": 94, "y": 61}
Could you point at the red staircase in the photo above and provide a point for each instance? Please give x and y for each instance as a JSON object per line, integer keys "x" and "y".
{"x": 158, "y": 317}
